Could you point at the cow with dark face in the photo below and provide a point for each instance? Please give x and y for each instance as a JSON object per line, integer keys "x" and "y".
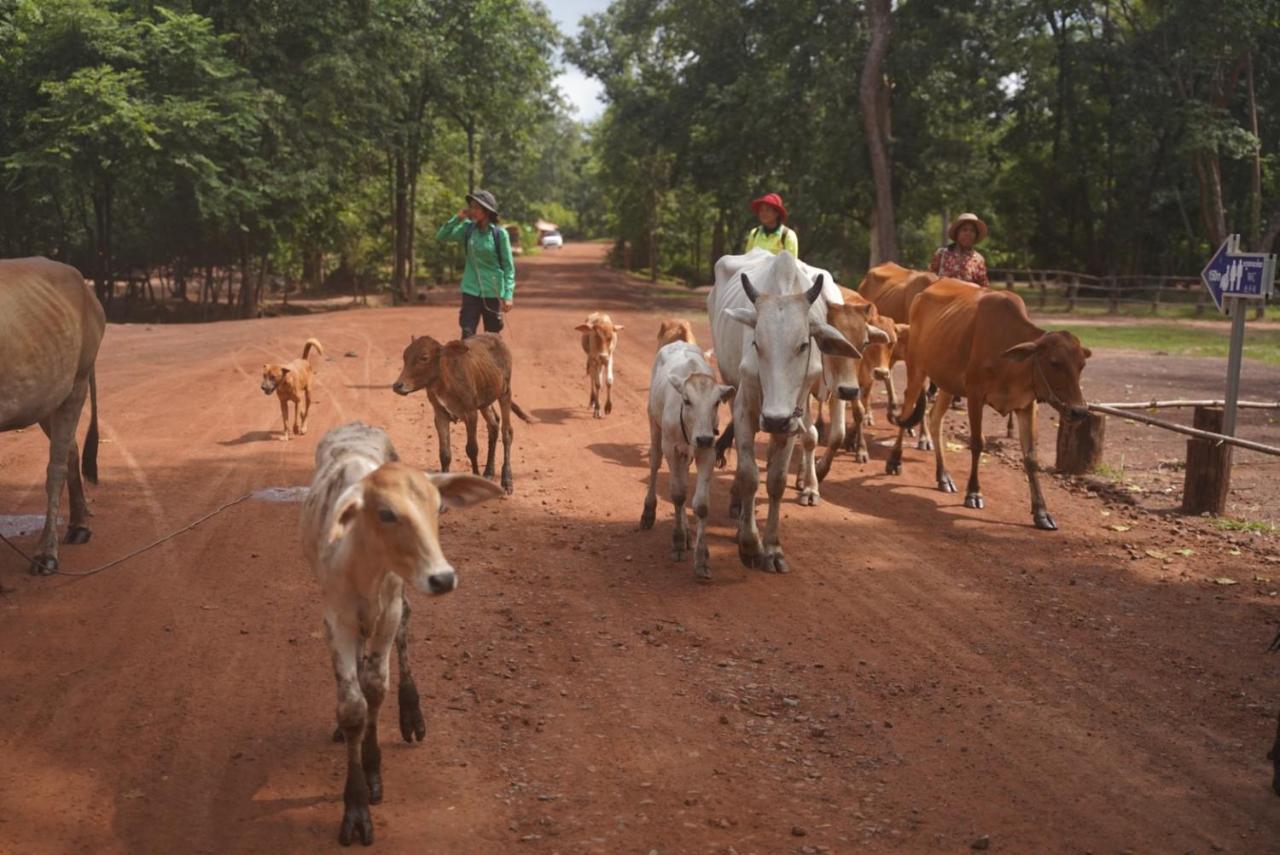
{"x": 981, "y": 345}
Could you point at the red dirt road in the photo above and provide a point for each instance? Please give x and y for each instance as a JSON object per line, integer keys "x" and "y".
{"x": 925, "y": 676}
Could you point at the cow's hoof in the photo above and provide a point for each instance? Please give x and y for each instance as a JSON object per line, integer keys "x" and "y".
{"x": 893, "y": 467}
{"x": 300, "y": 431}
{"x": 647, "y": 517}
{"x": 810, "y": 498}
{"x": 749, "y": 552}
{"x": 508, "y": 485}
{"x": 78, "y": 534}
{"x": 862, "y": 457}
{"x": 677, "y": 555}
{"x": 608, "y": 407}
{"x": 356, "y": 825}
{"x": 285, "y": 437}
{"x": 924, "y": 444}
{"x": 412, "y": 725}
{"x": 702, "y": 571}
{"x": 44, "y": 565}
{"x": 946, "y": 485}
{"x": 974, "y": 500}
{"x": 488, "y": 472}
{"x": 1044, "y": 522}
{"x": 774, "y": 562}
{"x": 337, "y": 735}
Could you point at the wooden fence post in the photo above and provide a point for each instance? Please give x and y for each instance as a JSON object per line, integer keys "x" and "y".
{"x": 1044, "y": 290}
{"x": 1072, "y": 290}
{"x": 1008, "y": 280}
{"x": 1080, "y": 444}
{"x": 1155, "y": 300}
{"x": 1115, "y": 295}
{"x": 1208, "y": 477}
{"x": 1200, "y": 298}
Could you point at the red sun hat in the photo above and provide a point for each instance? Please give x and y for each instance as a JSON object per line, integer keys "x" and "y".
{"x": 772, "y": 199}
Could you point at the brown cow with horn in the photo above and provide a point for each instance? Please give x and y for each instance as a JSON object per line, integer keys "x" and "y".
{"x": 980, "y": 344}
{"x": 51, "y": 325}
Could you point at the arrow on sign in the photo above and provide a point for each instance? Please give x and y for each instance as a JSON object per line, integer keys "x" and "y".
{"x": 1232, "y": 273}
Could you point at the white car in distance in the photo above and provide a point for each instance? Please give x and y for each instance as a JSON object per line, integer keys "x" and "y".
{"x": 552, "y": 240}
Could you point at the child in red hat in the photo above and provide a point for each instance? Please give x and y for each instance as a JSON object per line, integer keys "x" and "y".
{"x": 771, "y": 234}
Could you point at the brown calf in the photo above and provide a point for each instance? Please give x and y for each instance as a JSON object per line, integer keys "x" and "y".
{"x": 599, "y": 339}
{"x": 675, "y": 329}
{"x": 463, "y": 378}
{"x": 980, "y": 344}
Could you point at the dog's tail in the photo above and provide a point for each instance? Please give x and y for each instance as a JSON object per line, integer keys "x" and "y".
{"x": 312, "y": 343}
{"x": 89, "y": 460}
{"x": 515, "y": 408}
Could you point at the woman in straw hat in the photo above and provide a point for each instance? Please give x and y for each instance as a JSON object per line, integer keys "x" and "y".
{"x": 489, "y": 279}
{"x": 958, "y": 259}
{"x": 771, "y": 234}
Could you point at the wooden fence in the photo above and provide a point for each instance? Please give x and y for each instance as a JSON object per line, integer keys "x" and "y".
{"x": 1066, "y": 290}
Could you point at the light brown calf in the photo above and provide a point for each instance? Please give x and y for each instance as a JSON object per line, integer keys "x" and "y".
{"x": 980, "y": 344}
{"x": 675, "y": 329}
{"x": 465, "y": 378}
{"x": 292, "y": 383}
{"x": 599, "y": 339}
{"x": 370, "y": 524}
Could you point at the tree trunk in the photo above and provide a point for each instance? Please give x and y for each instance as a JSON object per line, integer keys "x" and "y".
{"x": 102, "y": 277}
{"x": 717, "y": 242}
{"x": 410, "y": 238}
{"x": 471, "y": 155}
{"x": 872, "y": 96}
{"x": 401, "y": 228}
{"x": 1255, "y": 207}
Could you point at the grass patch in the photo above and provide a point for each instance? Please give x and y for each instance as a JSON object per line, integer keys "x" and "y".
{"x": 1106, "y": 470}
{"x": 1255, "y": 526}
{"x": 1262, "y": 345}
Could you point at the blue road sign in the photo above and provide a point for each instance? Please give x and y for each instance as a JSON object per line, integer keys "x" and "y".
{"x": 1232, "y": 273}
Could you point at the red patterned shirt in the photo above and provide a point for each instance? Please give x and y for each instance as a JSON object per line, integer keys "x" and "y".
{"x": 967, "y": 265}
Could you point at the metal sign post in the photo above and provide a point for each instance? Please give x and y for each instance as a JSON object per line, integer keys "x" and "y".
{"x": 1233, "y": 277}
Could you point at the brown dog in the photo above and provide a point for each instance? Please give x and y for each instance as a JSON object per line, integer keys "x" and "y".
{"x": 292, "y": 382}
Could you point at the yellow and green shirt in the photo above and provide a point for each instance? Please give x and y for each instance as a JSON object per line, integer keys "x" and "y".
{"x": 775, "y": 241}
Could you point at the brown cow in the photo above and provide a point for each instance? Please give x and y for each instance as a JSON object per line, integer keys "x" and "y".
{"x": 980, "y": 344}
{"x": 893, "y": 288}
{"x": 844, "y": 379}
{"x": 51, "y": 325}
{"x": 463, "y": 378}
{"x": 599, "y": 339}
{"x": 675, "y": 329}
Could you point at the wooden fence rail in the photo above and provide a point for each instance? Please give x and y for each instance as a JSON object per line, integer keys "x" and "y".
{"x": 1114, "y": 290}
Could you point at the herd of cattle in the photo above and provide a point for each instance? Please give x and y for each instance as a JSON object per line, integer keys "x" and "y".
{"x": 785, "y": 336}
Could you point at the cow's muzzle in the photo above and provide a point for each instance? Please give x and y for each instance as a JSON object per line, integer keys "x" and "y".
{"x": 400, "y": 388}
{"x": 704, "y": 441}
{"x": 442, "y": 583}
{"x": 848, "y": 393}
{"x": 778, "y": 424}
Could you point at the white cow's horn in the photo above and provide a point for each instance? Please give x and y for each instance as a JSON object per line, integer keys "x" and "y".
{"x": 749, "y": 289}
{"x": 816, "y": 291}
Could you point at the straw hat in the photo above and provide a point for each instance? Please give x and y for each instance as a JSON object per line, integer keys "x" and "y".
{"x": 968, "y": 218}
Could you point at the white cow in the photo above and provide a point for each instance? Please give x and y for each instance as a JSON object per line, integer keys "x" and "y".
{"x": 369, "y": 525}
{"x": 765, "y": 315}
{"x": 684, "y": 402}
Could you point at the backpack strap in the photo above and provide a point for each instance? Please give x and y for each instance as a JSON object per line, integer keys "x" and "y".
{"x": 494, "y": 228}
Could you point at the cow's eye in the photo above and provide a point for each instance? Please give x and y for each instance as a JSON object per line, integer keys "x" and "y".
{"x": 803, "y": 347}
{"x": 688, "y": 403}
{"x": 387, "y": 515}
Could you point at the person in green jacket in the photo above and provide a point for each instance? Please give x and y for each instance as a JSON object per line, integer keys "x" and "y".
{"x": 771, "y": 234}
{"x": 489, "y": 278}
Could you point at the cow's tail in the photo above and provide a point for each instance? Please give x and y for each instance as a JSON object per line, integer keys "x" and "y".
{"x": 515, "y": 408}
{"x": 917, "y": 413}
{"x": 312, "y": 343}
{"x": 722, "y": 446}
{"x": 89, "y": 459}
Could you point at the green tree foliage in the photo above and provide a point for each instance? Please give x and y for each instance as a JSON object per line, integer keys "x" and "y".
{"x": 1099, "y": 135}
{"x": 226, "y": 145}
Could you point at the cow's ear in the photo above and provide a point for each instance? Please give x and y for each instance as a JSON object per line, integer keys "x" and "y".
{"x": 863, "y": 309}
{"x": 726, "y": 393}
{"x": 901, "y": 329}
{"x": 583, "y": 328}
{"x": 460, "y": 491}
{"x": 1020, "y": 352}
{"x": 1087, "y": 353}
{"x": 349, "y": 506}
{"x": 747, "y": 317}
{"x": 875, "y": 334}
{"x": 618, "y": 327}
{"x": 831, "y": 342}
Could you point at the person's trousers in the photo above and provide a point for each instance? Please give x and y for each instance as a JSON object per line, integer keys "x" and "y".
{"x": 474, "y": 308}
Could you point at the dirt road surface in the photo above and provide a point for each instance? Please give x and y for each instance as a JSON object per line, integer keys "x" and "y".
{"x": 926, "y": 676}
